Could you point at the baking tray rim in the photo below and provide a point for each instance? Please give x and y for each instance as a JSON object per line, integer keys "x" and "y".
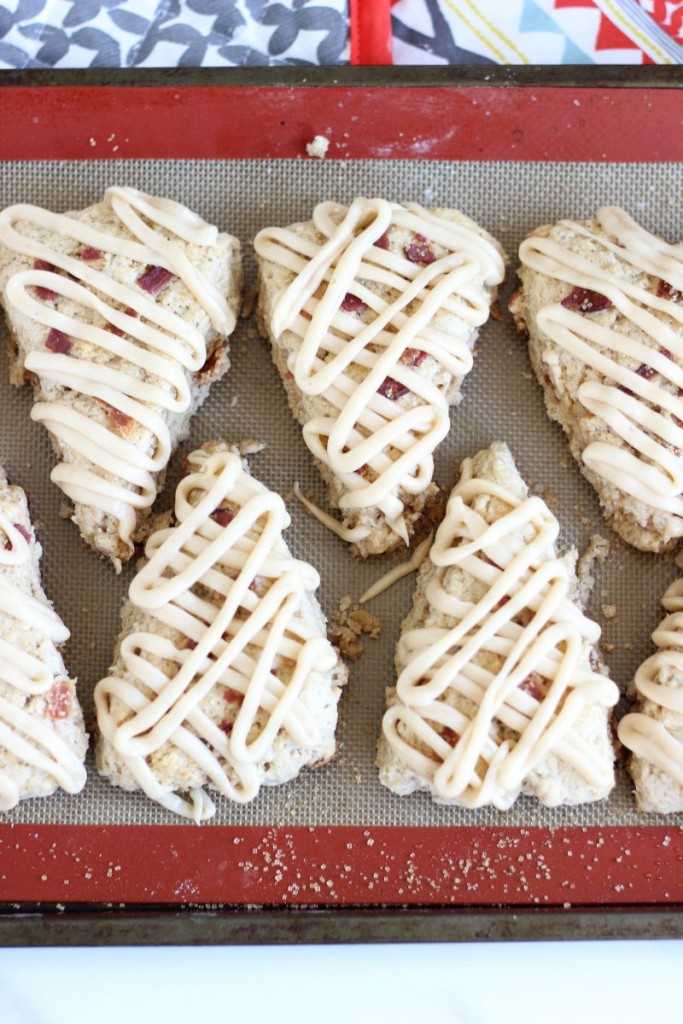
{"x": 30, "y": 923}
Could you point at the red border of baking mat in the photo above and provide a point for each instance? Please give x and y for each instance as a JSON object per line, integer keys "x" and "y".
{"x": 183, "y": 864}
{"x": 430, "y": 123}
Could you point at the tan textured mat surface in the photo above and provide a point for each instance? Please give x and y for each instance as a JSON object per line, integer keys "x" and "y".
{"x": 501, "y": 400}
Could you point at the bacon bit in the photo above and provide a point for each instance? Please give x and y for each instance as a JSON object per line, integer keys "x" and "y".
{"x": 222, "y": 516}
{"x": 535, "y": 685}
{"x": 352, "y": 304}
{"x": 450, "y": 736}
{"x": 118, "y": 418}
{"x": 211, "y": 362}
{"x": 226, "y": 727}
{"x": 419, "y": 251}
{"x": 646, "y": 372}
{"x": 58, "y": 341}
{"x": 582, "y": 300}
{"x": 549, "y": 383}
{"x": 383, "y": 240}
{"x": 43, "y": 265}
{"x": 392, "y": 389}
{"x": 190, "y": 644}
{"x": 117, "y": 330}
{"x": 627, "y": 391}
{"x": 58, "y": 699}
{"x": 413, "y": 356}
{"x": 45, "y": 293}
{"x": 23, "y": 531}
{"x": 90, "y": 254}
{"x": 154, "y": 279}
{"x": 233, "y": 696}
{"x": 665, "y": 352}
{"x": 667, "y": 291}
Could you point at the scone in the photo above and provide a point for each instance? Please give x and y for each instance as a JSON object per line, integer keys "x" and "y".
{"x": 373, "y": 311}
{"x": 654, "y": 733}
{"x": 601, "y": 302}
{"x": 223, "y": 674}
{"x": 42, "y": 737}
{"x": 500, "y": 688}
{"x": 119, "y": 315}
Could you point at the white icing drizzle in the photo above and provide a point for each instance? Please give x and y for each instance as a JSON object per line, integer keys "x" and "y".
{"x": 156, "y": 353}
{"x": 347, "y": 533}
{"x": 34, "y": 742}
{"x": 238, "y": 640}
{"x": 340, "y": 356}
{"x": 449, "y": 669}
{"x": 399, "y": 571}
{"x": 648, "y": 419}
{"x": 648, "y": 737}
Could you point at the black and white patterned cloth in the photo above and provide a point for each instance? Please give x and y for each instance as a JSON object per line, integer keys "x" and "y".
{"x": 172, "y": 33}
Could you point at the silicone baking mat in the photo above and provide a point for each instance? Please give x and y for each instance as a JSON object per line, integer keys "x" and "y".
{"x": 501, "y": 399}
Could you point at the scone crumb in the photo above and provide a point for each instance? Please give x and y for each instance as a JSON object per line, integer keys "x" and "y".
{"x": 348, "y": 625}
{"x": 318, "y": 147}
{"x": 609, "y": 610}
{"x": 596, "y": 552}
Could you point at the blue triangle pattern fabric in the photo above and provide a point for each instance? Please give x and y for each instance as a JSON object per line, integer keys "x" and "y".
{"x": 572, "y": 54}
{"x": 535, "y": 19}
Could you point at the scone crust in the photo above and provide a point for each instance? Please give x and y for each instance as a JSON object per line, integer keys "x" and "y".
{"x": 219, "y": 264}
{"x": 419, "y": 507}
{"x": 561, "y": 373}
{"x": 552, "y": 780}
{"x": 173, "y": 769}
{"x": 57, "y": 709}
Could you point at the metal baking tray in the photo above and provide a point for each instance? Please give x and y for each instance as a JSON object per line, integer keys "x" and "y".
{"x": 320, "y": 861}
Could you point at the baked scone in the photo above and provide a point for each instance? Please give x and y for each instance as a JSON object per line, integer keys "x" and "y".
{"x": 601, "y": 302}
{"x": 373, "y": 311}
{"x": 119, "y": 315}
{"x": 500, "y": 688}
{"x": 42, "y": 737}
{"x": 654, "y": 733}
{"x": 222, "y": 673}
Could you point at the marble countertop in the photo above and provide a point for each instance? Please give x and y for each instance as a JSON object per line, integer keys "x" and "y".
{"x": 501, "y": 983}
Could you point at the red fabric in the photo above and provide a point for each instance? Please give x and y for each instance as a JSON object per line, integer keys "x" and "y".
{"x": 370, "y": 28}
{"x": 670, "y": 16}
{"x": 612, "y": 38}
{"x": 559, "y": 4}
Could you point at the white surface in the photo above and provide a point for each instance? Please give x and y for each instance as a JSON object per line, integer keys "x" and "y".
{"x": 522, "y": 983}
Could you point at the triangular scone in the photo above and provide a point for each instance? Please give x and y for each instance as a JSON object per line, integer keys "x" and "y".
{"x": 655, "y": 731}
{"x": 373, "y": 312}
{"x": 500, "y": 687}
{"x": 42, "y": 738}
{"x": 119, "y": 315}
{"x": 223, "y": 674}
{"x": 601, "y": 302}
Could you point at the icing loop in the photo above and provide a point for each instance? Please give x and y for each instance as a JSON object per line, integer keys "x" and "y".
{"x": 633, "y": 376}
{"x": 232, "y": 596}
{"x": 489, "y": 695}
{"x": 374, "y": 443}
{"x": 657, "y": 738}
{"x": 143, "y": 351}
{"x": 32, "y": 741}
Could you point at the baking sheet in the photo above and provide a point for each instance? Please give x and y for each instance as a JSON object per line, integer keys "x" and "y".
{"x": 501, "y": 400}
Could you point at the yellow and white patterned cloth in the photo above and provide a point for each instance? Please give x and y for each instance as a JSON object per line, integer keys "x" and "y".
{"x": 204, "y": 33}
